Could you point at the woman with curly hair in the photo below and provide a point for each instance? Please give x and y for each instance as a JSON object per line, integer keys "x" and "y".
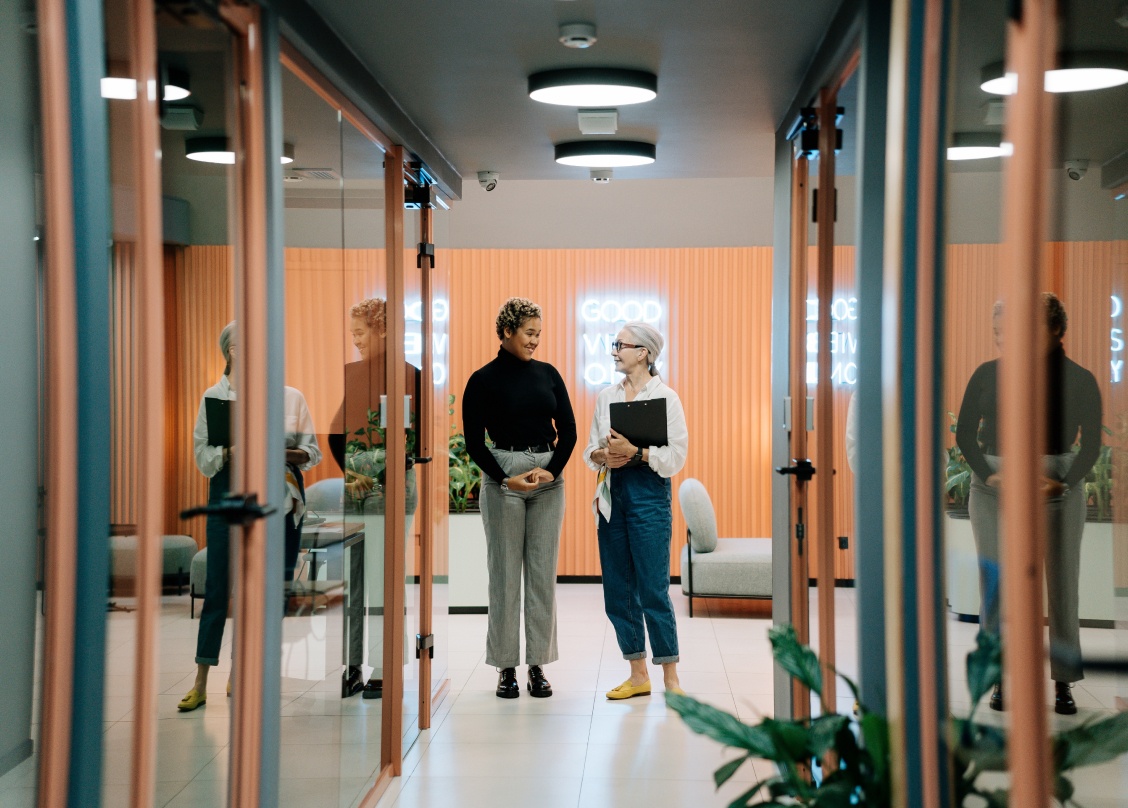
{"x": 524, "y": 406}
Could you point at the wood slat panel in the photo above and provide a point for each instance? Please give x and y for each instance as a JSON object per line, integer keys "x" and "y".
{"x": 123, "y": 374}
{"x": 718, "y": 328}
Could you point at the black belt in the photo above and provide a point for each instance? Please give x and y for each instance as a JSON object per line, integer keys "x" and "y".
{"x": 541, "y": 449}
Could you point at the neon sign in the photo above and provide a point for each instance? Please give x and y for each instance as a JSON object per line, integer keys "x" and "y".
{"x": 440, "y": 339}
{"x": 843, "y": 344}
{"x": 1117, "y": 340}
{"x": 598, "y": 316}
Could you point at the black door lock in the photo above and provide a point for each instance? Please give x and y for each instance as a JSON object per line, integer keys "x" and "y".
{"x": 802, "y": 469}
{"x": 236, "y": 509}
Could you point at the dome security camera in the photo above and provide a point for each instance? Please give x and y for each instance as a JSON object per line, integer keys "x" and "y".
{"x": 1076, "y": 169}
{"x": 488, "y": 179}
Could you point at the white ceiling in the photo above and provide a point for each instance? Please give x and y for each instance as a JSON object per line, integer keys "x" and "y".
{"x": 727, "y": 72}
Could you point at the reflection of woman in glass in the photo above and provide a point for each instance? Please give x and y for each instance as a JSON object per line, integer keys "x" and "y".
{"x": 524, "y": 406}
{"x": 357, "y": 442}
{"x": 634, "y": 514}
{"x": 214, "y": 462}
{"x": 1073, "y": 407}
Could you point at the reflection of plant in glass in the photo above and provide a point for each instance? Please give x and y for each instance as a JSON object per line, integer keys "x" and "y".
{"x": 980, "y": 748}
{"x": 365, "y": 453}
{"x": 862, "y": 773}
{"x": 465, "y": 476}
{"x": 957, "y": 474}
{"x": 1098, "y": 482}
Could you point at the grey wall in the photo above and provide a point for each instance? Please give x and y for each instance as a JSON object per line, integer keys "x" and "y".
{"x": 624, "y": 213}
{"x": 18, "y": 393}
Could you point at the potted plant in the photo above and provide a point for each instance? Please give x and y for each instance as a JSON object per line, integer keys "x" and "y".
{"x": 957, "y": 477}
{"x": 465, "y": 476}
{"x": 857, "y": 747}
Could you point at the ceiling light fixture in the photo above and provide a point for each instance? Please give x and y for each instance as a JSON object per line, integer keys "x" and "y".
{"x": 605, "y": 153}
{"x": 1077, "y": 72}
{"x": 209, "y": 149}
{"x": 125, "y": 89}
{"x": 593, "y": 87}
{"x": 978, "y": 146}
{"x": 215, "y": 149}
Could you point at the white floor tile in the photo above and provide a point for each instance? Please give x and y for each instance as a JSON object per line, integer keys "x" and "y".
{"x": 488, "y": 792}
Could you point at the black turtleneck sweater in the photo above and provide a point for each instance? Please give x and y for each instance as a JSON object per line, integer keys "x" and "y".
{"x": 517, "y": 402}
{"x": 1073, "y": 405}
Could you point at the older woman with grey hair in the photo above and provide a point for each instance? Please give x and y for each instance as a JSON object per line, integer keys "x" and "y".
{"x": 633, "y": 510}
{"x": 524, "y": 405}
{"x": 214, "y": 462}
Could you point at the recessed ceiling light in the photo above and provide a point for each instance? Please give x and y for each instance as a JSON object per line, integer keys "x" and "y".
{"x": 605, "y": 153}
{"x": 978, "y": 146}
{"x": 1078, "y": 72}
{"x": 593, "y": 87}
{"x": 175, "y": 84}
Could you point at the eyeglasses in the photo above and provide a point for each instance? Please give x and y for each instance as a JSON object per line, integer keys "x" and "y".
{"x": 618, "y": 346}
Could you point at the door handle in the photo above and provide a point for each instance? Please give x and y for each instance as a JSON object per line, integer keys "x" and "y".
{"x": 235, "y": 509}
{"x": 800, "y": 468}
{"x": 421, "y": 460}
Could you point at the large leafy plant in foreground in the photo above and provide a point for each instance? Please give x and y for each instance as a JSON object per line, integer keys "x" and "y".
{"x": 861, "y": 776}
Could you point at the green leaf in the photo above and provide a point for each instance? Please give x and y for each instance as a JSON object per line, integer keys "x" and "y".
{"x": 707, "y": 720}
{"x": 791, "y": 739}
{"x": 850, "y": 683}
{"x": 838, "y": 794}
{"x": 984, "y": 665}
{"x": 742, "y": 800}
{"x": 1063, "y": 789}
{"x": 875, "y": 735}
{"x": 823, "y": 731}
{"x": 722, "y": 775}
{"x": 1092, "y": 743}
{"x": 798, "y": 660}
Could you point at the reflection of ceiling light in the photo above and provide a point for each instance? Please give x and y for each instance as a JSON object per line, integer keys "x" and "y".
{"x": 978, "y": 146}
{"x": 214, "y": 149}
{"x": 605, "y": 153}
{"x": 211, "y": 149}
{"x": 125, "y": 89}
{"x": 1078, "y": 72}
{"x": 593, "y": 87}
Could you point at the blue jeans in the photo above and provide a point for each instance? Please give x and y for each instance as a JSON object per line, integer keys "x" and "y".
{"x": 634, "y": 551}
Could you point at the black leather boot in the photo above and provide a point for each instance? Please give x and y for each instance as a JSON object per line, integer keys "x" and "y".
{"x": 1064, "y": 703}
{"x": 373, "y": 689}
{"x": 507, "y": 687}
{"x": 352, "y": 681}
{"x": 539, "y": 688}
{"x": 996, "y": 702}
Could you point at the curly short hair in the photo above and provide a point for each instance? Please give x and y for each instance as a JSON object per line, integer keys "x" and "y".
{"x": 513, "y": 313}
{"x": 374, "y": 312}
{"x": 1056, "y": 318}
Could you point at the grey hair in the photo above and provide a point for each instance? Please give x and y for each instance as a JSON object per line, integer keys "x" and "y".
{"x": 1056, "y": 318}
{"x": 513, "y": 313}
{"x": 648, "y": 337}
{"x": 226, "y": 337}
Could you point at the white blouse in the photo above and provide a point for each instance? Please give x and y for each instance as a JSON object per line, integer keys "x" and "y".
{"x": 299, "y": 428}
{"x": 665, "y": 460}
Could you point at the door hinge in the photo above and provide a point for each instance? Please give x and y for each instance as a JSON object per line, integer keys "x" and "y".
{"x": 426, "y": 250}
{"x": 425, "y": 641}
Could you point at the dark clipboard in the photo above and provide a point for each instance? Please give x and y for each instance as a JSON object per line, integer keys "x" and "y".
{"x": 218, "y": 412}
{"x": 643, "y": 423}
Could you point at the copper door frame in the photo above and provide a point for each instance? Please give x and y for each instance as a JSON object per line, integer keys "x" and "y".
{"x": 1031, "y": 41}
{"x": 62, "y": 407}
{"x": 142, "y": 32}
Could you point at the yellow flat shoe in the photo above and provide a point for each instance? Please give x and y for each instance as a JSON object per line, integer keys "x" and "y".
{"x": 228, "y": 688}
{"x": 676, "y": 690}
{"x": 628, "y": 691}
{"x": 192, "y": 699}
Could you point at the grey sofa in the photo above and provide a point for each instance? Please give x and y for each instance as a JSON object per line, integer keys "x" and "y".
{"x": 713, "y": 567}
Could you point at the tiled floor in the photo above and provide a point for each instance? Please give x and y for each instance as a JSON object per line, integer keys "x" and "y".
{"x": 574, "y": 749}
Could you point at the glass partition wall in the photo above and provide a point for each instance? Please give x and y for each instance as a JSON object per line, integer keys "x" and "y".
{"x": 1033, "y": 388}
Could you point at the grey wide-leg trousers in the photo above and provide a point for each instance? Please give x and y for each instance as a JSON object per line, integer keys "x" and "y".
{"x": 1065, "y": 522}
{"x": 522, "y": 536}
